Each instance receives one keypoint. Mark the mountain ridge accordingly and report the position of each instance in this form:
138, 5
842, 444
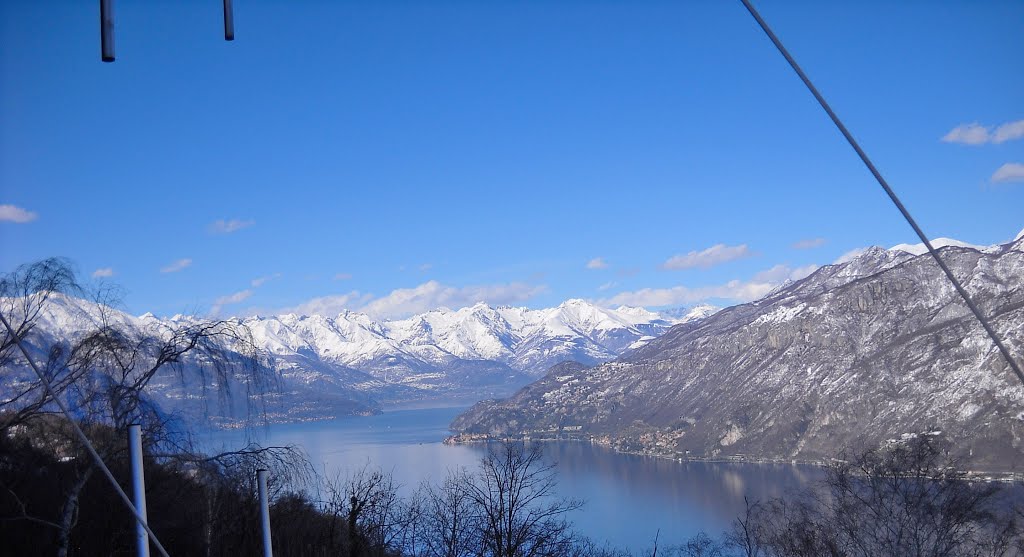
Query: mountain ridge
352, 363
857, 353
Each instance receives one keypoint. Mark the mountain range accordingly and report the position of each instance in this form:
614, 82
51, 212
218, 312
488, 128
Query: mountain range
352, 364
872, 349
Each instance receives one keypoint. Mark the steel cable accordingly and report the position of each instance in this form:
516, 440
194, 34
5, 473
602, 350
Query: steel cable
888, 190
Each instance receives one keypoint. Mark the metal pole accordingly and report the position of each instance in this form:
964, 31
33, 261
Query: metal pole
138, 488
261, 479
229, 21
81, 434
107, 30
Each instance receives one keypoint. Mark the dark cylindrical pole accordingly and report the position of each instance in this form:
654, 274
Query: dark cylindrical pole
107, 30
229, 21
261, 480
139, 487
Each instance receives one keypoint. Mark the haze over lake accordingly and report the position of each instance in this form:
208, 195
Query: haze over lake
629, 498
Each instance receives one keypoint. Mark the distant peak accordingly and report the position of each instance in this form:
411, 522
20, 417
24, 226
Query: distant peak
684, 314
920, 249
357, 317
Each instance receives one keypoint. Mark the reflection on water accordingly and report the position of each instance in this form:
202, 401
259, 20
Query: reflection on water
629, 498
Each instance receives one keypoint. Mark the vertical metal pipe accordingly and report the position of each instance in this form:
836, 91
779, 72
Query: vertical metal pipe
229, 21
107, 30
261, 479
139, 488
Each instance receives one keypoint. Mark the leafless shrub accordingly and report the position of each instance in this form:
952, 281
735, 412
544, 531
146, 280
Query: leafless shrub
907, 498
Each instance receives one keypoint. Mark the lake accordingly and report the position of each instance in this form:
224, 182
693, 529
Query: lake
629, 498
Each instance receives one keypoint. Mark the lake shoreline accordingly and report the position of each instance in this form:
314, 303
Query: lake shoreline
653, 493
478, 438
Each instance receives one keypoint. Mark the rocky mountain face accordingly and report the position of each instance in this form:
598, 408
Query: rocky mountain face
351, 363
856, 354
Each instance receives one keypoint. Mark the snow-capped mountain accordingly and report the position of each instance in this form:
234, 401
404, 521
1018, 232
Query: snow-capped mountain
860, 352
524, 341
685, 314
919, 249
307, 389
351, 361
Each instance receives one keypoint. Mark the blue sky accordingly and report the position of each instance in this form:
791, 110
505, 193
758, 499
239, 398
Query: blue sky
398, 156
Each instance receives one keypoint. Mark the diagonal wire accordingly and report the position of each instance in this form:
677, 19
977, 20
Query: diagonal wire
885, 186
84, 439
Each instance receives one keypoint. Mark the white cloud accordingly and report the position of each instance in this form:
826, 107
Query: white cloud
597, 263
241, 295
740, 291
343, 276
13, 213
425, 267
968, 134
235, 298
329, 305
607, 286
715, 255
1008, 131
976, 134
258, 282
177, 266
782, 273
228, 226
681, 295
1009, 172
849, 256
803, 272
809, 243
103, 272
432, 295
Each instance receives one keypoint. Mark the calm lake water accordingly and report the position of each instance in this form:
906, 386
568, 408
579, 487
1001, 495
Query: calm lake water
628, 498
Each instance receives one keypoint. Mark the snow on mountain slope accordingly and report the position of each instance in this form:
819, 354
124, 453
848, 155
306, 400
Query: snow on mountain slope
476, 351
920, 249
529, 341
851, 356
687, 314
308, 388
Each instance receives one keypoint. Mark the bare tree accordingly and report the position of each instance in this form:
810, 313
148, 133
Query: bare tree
450, 522
514, 496
748, 531
23, 295
103, 374
374, 516
907, 498
700, 545
25, 291
227, 475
